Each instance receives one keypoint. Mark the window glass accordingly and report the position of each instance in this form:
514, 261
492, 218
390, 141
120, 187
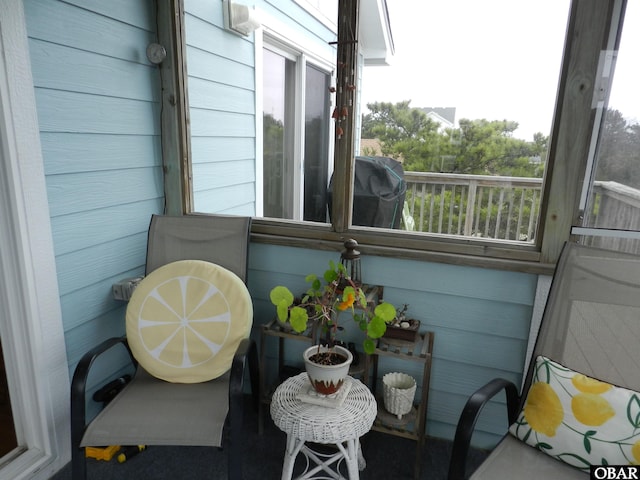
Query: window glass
278, 134
613, 197
296, 157
466, 108
316, 145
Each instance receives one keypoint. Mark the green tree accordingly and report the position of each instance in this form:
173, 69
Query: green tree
619, 150
477, 147
405, 133
488, 148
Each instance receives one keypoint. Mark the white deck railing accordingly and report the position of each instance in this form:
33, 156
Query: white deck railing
474, 205
507, 208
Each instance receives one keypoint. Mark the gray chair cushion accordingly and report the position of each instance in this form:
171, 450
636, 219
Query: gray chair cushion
168, 414
512, 459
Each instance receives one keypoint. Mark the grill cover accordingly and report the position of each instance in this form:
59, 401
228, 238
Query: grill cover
379, 191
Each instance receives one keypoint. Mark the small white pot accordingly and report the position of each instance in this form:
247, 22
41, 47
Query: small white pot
327, 379
399, 389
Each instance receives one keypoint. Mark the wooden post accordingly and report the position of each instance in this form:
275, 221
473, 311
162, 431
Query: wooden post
346, 100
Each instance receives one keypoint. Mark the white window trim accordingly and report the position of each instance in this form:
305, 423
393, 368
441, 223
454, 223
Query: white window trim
30, 318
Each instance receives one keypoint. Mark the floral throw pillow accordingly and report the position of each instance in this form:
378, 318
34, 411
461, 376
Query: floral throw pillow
578, 419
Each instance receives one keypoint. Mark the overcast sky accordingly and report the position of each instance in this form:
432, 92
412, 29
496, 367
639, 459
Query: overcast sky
493, 59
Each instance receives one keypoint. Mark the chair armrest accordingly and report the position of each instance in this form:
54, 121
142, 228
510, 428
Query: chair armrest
469, 416
79, 385
246, 351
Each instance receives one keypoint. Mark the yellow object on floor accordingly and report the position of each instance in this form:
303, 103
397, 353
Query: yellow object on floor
128, 452
102, 453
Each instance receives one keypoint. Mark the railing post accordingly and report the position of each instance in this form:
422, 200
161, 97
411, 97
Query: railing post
471, 200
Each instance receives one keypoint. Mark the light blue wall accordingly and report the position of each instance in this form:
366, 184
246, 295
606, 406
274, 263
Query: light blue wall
480, 318
97, 103
221, 85
222, 101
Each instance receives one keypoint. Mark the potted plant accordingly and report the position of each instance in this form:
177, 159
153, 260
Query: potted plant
323, 302
401, 327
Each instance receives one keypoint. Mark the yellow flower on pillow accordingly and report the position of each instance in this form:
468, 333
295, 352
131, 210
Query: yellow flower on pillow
635, 451
589, 385
591, 409
543, 410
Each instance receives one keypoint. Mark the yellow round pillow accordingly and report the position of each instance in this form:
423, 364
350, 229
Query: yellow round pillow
185, 320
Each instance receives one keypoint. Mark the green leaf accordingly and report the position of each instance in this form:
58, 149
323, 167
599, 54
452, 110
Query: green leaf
385, 311
369, 346
362, 298
330, 276
569, 457
633, 411
298, 319
349, 290
281, 294
376, 327
543, 446
282, 310
586, 442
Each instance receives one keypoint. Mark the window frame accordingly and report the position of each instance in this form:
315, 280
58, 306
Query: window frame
590, 26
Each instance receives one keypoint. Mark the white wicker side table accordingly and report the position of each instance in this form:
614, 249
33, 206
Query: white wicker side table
305, 422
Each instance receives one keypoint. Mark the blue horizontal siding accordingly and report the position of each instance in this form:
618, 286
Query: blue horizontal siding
65, 24
140, 13
102, 225
91, 265
210, 123
210, 36
299, 20
216, 96
96, 330
500, 285
207, 149
97, 99
213, 175
94, 74
474, 315
71, 112
71, 193
228, 199
205, 10
89, 152
93, 301
226, 71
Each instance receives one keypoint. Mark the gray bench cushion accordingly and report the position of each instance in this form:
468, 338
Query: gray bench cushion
512, 459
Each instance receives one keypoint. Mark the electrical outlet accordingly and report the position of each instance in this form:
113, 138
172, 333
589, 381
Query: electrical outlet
123, 289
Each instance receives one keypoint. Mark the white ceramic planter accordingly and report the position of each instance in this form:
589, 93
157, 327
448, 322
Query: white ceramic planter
327, 379
399, 390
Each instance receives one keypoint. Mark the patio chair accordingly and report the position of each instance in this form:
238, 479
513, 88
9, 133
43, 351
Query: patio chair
565, 417
189, 379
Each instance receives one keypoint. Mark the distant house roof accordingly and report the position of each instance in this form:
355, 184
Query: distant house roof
445, 116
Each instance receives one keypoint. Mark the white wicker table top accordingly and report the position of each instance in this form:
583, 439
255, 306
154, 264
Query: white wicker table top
315, 423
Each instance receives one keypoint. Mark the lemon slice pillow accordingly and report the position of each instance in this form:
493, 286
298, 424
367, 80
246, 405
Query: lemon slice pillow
578, 419
185, 320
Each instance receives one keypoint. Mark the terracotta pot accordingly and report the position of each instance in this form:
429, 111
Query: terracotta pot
327, 379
